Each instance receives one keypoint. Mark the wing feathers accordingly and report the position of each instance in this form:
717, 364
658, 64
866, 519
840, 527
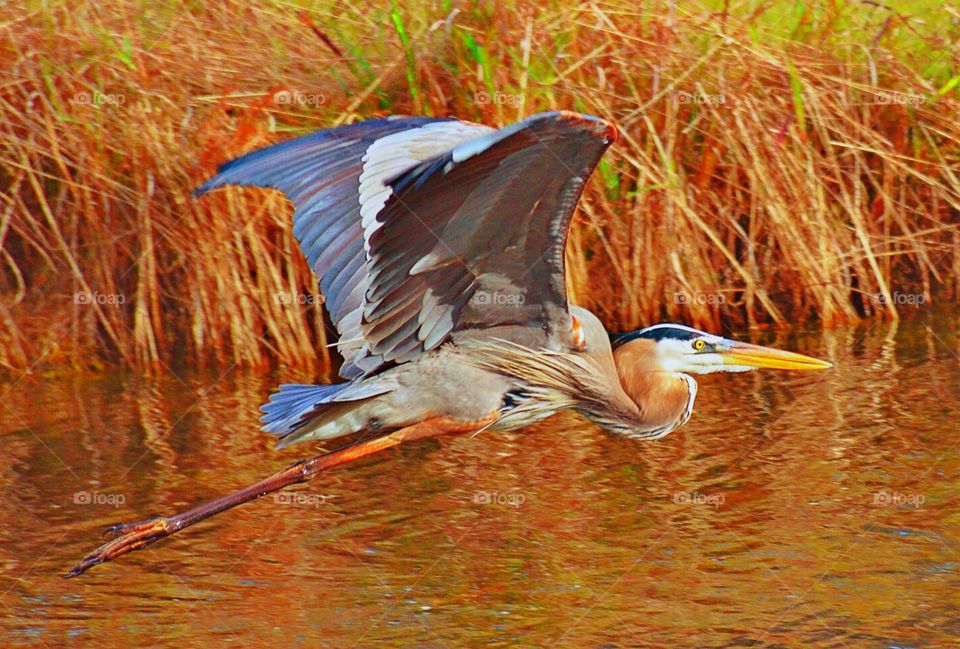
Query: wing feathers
493, 213
418, 227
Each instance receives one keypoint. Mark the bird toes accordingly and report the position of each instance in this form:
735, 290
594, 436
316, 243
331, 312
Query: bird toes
130, 537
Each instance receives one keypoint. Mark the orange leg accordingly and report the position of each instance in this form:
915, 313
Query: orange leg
135, 536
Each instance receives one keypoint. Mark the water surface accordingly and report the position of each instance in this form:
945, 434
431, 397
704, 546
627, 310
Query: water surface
792, 510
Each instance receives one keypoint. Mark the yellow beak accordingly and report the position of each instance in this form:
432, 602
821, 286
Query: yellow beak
747, 355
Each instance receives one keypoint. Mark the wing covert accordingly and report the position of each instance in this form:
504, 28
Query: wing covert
334, 178
475, 237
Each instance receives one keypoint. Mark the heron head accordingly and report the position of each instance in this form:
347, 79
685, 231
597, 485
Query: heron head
676, 348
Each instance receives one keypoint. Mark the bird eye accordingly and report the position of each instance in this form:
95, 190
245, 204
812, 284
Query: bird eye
699, 344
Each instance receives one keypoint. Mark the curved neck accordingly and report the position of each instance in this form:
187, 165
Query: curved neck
664, 399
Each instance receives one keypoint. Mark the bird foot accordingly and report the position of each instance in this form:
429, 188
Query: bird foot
128, 538
123, 528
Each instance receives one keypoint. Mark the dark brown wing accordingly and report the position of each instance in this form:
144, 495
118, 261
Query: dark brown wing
335, 178
475, 238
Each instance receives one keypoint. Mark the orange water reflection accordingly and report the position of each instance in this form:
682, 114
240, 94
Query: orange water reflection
792, 510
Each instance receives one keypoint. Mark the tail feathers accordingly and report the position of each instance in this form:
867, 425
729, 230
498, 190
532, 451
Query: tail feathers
294, 403
296, 412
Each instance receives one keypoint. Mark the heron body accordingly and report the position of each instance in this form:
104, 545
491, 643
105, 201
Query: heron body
439, 248
439, 245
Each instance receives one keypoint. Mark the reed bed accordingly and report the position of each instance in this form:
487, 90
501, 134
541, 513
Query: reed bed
778, 163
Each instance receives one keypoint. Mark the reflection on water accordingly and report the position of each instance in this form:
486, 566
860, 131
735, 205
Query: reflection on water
793, 509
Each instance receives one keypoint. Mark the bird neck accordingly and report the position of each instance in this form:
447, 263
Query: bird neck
664, 399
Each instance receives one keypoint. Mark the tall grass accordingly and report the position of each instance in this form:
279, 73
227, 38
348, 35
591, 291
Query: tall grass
778, 162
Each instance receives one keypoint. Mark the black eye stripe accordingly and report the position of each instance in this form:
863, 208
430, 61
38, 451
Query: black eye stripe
658, 333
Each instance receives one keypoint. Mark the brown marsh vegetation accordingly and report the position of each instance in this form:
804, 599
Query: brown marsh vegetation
779, 162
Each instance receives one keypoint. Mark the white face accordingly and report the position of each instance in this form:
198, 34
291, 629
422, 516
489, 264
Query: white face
699, 352
698, 356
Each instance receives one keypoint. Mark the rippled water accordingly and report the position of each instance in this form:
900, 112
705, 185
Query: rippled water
793, 510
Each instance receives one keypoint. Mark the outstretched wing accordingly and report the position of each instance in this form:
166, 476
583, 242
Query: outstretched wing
335, 179
419, 228
474, 238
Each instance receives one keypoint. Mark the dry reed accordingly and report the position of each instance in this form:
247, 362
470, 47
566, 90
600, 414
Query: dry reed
778, 163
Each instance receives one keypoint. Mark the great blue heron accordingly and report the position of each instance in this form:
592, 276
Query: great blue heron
439, 245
